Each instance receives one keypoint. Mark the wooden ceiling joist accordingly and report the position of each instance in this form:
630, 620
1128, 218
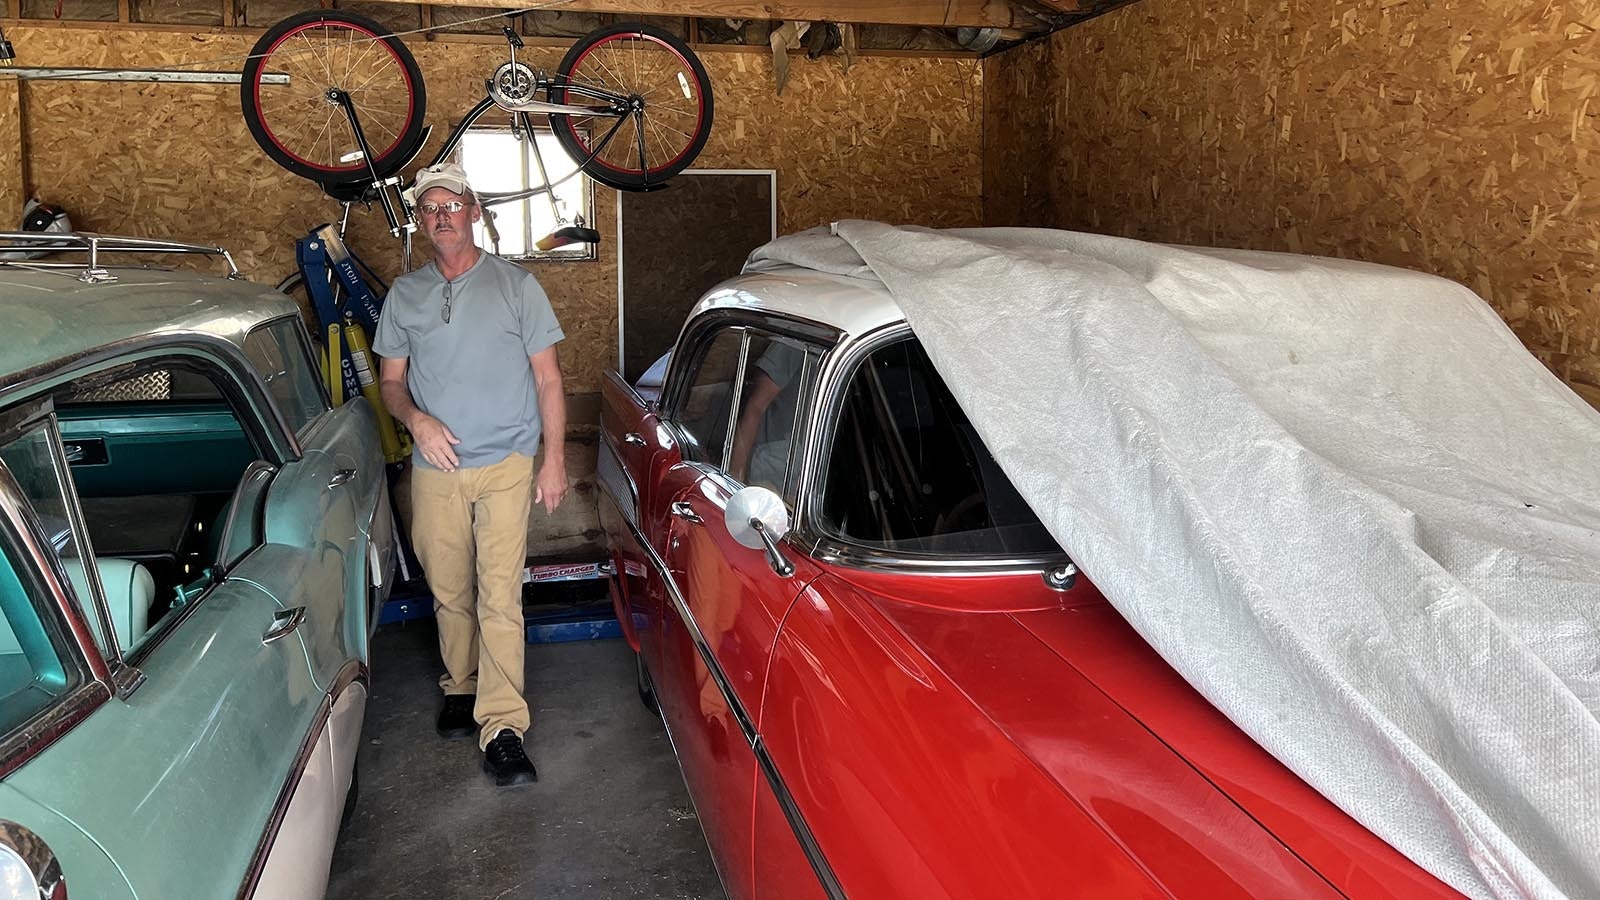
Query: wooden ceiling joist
935, 13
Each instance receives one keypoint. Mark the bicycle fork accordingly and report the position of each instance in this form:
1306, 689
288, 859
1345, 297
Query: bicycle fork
387, 188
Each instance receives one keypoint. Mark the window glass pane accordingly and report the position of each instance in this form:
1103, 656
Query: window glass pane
702, 411
763, 437
497, 160
30, 460
35, 667
279, 356
907, 471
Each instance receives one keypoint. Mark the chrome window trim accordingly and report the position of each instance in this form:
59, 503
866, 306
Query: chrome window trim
826, 546
23, 744
309, 357
91, 565
19, 510
353, 671
804, 330
94, 689
739, 373
825, 340
243, 387
769, 769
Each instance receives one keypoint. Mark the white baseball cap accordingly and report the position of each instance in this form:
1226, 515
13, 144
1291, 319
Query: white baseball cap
449, 176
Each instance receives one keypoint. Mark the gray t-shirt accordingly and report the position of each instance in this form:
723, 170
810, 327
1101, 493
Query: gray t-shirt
472, 372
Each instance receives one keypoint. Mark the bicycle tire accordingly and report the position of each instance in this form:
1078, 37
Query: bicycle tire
670, 148
309, 45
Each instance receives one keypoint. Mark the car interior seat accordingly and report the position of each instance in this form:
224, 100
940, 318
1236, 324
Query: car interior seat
129, 588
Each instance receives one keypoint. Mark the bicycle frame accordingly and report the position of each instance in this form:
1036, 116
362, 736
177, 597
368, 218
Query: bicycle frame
522, 108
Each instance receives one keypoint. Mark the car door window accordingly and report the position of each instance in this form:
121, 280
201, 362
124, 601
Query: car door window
279, 354
702, 409
774, 382
37, 668
31, 459
906, 471
156, 474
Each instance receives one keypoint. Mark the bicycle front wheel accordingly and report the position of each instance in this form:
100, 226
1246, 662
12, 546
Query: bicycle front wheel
302, 126
649, 87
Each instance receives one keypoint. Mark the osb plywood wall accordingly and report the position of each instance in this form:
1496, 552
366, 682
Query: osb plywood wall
1454, 136
897, 139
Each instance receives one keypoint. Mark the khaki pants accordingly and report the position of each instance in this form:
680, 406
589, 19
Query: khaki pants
470, 529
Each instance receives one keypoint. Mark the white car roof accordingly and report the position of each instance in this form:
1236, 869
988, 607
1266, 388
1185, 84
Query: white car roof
855, 306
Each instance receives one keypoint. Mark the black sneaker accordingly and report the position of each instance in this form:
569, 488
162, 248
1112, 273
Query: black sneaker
455, 717
506, 762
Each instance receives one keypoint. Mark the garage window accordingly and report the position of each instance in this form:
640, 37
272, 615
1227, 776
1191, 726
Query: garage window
498, 161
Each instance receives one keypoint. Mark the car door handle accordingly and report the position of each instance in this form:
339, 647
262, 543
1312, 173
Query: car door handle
684, 511
342, 476
284, 622
634, 438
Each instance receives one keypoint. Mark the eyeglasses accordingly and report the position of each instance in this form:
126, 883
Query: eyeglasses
444, 311
452, 207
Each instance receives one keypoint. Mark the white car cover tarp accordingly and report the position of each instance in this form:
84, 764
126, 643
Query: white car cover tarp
1341, 499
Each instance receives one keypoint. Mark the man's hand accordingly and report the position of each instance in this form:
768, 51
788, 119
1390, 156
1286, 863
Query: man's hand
434, 441
551, 486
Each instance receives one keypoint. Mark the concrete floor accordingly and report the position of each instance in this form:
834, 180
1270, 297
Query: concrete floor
608, 818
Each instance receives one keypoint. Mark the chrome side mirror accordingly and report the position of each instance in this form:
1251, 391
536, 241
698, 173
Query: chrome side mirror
26, 863
757, 519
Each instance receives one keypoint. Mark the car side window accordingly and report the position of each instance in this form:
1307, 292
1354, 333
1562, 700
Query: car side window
906, 471
36, 667
30, 459
702, 411
279, 354
157, 484
769, 402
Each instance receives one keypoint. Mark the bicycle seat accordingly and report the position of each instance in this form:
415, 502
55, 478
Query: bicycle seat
571, 234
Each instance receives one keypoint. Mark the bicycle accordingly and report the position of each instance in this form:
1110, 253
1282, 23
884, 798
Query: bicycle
350, 85
646, 80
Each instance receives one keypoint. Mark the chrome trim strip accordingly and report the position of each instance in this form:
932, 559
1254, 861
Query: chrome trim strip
672, 742
740, 372
86, 557
17, 512
352, 672
769, 768
46, 728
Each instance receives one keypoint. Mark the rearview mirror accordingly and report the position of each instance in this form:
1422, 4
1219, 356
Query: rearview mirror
757, 518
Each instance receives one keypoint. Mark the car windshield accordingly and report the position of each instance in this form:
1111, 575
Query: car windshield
907, 471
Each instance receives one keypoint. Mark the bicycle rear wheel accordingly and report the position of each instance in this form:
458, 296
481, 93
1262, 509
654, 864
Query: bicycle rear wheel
306, 131
662, 91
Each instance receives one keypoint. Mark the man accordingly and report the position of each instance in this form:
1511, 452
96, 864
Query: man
469, 365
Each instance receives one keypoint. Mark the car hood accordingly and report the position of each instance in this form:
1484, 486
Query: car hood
1170, 781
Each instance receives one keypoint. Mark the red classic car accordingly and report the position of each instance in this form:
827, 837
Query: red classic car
881, 676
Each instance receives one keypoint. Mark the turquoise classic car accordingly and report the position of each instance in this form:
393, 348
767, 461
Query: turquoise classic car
193, 546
